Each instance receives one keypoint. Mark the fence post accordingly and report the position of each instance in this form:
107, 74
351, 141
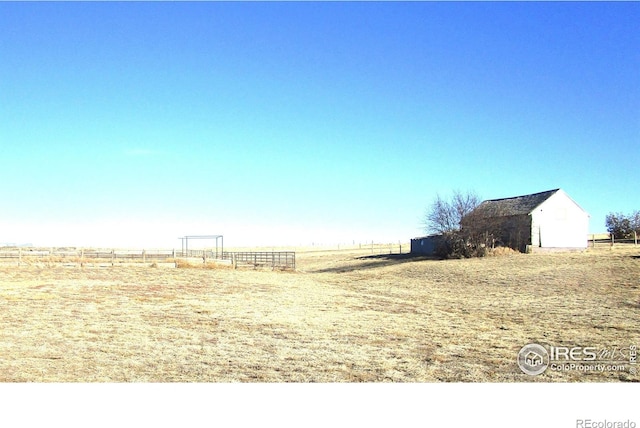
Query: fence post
19, 256
612, 241
234, 261
204, 256
113, 257
635, 238
144, 256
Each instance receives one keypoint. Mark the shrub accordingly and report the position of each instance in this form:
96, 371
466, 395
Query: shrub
622, 226
460, 244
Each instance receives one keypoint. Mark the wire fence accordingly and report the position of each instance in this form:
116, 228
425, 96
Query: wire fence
273, 259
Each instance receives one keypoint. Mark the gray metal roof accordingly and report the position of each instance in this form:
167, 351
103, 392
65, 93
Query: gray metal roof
518, 205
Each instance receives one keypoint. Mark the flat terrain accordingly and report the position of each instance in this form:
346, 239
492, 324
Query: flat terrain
343, 316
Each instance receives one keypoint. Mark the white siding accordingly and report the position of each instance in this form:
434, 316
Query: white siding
559, 223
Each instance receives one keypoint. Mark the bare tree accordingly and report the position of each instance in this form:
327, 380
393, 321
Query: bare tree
444, 216
465, 231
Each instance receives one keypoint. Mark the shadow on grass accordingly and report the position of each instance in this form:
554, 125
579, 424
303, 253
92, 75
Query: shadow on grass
376, 261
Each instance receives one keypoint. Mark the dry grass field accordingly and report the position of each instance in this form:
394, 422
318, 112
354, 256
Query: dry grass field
342, 316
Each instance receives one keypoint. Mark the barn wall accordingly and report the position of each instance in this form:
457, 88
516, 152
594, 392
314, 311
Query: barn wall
516, 232
559, 223
508, 231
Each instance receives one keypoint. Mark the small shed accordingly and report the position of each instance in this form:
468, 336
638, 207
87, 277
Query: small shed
425, 245
544, 220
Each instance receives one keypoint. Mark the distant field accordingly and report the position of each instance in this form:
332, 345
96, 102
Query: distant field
353, 315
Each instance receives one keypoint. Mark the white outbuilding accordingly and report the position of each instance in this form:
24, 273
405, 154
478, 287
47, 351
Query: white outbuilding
546, 220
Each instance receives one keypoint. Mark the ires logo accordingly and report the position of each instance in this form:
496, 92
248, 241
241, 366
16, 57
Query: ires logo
577, 353
534, 359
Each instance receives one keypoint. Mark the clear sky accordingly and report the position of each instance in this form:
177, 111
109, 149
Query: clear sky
130, 124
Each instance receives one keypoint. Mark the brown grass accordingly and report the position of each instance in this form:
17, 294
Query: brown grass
340, 318
501, 251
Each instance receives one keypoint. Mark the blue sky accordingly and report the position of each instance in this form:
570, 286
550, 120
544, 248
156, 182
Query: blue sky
130, 124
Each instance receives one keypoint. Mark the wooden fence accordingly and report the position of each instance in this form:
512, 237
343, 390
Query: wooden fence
273, 259
606, 239
80, 255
